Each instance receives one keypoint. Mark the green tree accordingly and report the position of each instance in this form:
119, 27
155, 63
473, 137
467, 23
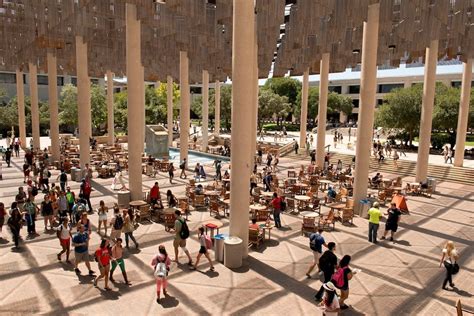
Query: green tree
68, 107
336, 103
98, 108
225, 106
120, 111
271, 105
285, 86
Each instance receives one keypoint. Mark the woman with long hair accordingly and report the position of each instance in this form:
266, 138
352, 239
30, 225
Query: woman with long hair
102, 256
203, 249
161, 265
448, 258
347, 274
128, 227
64, 236
102, 211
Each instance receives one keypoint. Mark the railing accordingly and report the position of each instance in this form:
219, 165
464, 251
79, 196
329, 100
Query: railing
327, 147
285, 149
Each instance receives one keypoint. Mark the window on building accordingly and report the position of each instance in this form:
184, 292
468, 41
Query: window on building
337, 89
354, 89
74, 81
42, 80
379, 102
458, 84
355, 103
94, 81
116, 90
7, 78
386, 88
196, 90
60, 81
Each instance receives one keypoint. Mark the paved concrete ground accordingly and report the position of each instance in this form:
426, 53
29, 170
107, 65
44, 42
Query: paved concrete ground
397, 278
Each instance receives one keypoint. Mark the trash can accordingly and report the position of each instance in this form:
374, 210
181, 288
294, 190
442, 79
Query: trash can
233, 252
123, 198
219, 247
432, 183
363, 207
76, 173
73, 173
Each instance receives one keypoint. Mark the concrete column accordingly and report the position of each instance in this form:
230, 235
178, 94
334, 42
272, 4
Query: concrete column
242, 51
143, 116
83, 101
110, 108
463, 115
322, 110
205, 110
304, 109
35, 128
368, 87
135, 101
169, 103
53, 106
185, 103
20, 99
429, 84
217, 108
254, 120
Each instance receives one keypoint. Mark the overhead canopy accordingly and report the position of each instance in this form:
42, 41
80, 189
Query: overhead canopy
292, 34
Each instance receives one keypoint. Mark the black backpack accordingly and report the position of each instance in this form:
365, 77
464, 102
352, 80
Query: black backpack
63, 177
184, 233
34, 191
182, 165
282, 205
118, 222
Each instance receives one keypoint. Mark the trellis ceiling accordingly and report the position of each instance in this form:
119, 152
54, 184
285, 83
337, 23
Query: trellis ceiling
31, 28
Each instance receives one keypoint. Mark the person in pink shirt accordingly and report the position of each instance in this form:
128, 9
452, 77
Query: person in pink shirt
161, 265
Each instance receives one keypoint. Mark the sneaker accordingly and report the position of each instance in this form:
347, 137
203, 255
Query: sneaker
77, 271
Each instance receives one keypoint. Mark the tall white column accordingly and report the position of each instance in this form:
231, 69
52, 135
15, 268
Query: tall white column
35, 128
242, 51
205, 110
169, 108
110, 108
217, 108
254, 104
53, 106
463, 115
135, 102
20, 99
184, 114
143, 116
322, 110
368, 88
83, 101
304, 109
429, 85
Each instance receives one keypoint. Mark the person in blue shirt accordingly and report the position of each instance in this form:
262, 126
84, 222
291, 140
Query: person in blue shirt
80, 241
316, 243
331, 195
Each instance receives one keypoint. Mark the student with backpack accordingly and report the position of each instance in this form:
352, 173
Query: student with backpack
182, 233
327, 264
116, 223
62, 180
182, 166
86, 190
316, 243
206, 243
161, 266
341, 279
64, 235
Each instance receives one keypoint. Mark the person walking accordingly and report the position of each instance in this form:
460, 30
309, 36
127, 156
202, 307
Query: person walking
80, 241
64, 236
62, 180
277, 203
14, 223
327, 264
316, 241
205, 243
448, 258
128, 227
71, 199
394, 215
3, 214
62, 205
171, 170
30, 210
47, 212
85, 191
116, 223
182, 166
8, 157
341, 279
102, 256
161, 266
117, 260
374, 220
395, 158
218, 166
102, 211
296, 147
182, 233
330, 303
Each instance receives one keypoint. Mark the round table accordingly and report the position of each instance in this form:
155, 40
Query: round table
303, 200
137, 203
309, 214
266, 194
257, 207
324, 184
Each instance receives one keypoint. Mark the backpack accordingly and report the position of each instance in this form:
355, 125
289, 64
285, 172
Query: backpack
160, 270
182, 165
118, 224
63, 177
184, 233
87, 188
208, 242
34, 191
49, 174
282, 205
314, 242
338, 277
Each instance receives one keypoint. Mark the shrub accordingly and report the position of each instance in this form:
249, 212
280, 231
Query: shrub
438, 140
274, 127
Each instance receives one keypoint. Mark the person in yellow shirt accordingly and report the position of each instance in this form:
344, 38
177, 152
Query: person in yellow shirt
374, 220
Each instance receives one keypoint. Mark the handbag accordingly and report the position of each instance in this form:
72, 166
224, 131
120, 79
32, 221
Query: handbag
455, 268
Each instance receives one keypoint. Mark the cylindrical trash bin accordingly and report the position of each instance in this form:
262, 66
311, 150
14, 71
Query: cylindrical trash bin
123, 198
364, 206
432, 184
73, 173
77, 174
233, 252
219, 247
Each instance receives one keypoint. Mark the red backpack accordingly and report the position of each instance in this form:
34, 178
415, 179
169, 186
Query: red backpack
338, 278
208, 242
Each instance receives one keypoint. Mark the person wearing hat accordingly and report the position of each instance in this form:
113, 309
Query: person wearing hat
330, 303
374, 220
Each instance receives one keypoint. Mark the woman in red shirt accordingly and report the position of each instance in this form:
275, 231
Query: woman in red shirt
102, 256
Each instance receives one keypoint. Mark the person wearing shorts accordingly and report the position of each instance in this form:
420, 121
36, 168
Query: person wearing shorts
316, 243
81, 250
394, 215
117, 260
203, 249
178, 242
102, 256
64, 235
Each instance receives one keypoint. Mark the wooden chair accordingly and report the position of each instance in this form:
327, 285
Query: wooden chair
184, 207
327, 221
290, 205
347, 215
291, 174
199, 201
168, 220
382, 197
145, 213
214, 209
262, 216
308, 225
316, 204
255, 237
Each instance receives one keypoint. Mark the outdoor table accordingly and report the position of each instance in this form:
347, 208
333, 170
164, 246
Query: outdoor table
399, 189
324, 184
264, 228
266, 195
309, 214
137, 203
257, 207
337, 206
212, 224
302, 200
